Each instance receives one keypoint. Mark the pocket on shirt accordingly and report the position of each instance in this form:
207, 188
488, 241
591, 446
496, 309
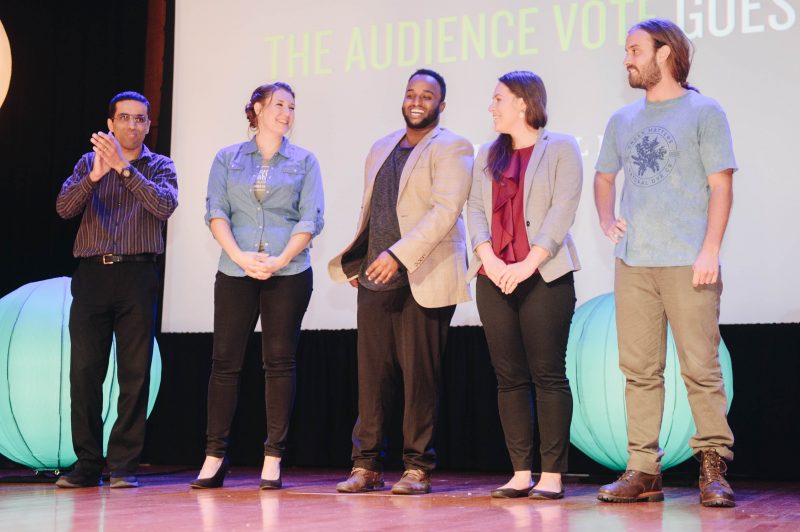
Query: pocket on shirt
292, 178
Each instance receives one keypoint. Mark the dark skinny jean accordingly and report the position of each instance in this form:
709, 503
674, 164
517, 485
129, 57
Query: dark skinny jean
281, 301
527, 333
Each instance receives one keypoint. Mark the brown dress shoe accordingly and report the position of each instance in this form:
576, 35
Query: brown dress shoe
714, 489
361, 480
413, 482
633, 486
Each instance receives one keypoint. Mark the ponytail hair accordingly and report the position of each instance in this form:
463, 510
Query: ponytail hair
263, 94
666, 33
530, 87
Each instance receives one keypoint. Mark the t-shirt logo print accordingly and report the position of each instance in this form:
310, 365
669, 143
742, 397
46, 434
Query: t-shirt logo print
650, 156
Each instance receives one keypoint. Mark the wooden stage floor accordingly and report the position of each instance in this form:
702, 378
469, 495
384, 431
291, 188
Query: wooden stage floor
309, 501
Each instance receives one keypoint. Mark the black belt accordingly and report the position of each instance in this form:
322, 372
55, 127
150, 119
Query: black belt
111, 258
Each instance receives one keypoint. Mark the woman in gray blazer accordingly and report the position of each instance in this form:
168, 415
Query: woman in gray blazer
525, 191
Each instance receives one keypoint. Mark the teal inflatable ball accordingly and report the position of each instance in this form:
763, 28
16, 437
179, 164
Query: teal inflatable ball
599, 425
34, 377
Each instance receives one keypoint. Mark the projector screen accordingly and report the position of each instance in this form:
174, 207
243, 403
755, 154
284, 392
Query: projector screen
348, 62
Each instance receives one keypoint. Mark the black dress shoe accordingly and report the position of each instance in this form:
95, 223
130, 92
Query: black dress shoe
271, 484
212, 482
509, 493
546, 495
78, 479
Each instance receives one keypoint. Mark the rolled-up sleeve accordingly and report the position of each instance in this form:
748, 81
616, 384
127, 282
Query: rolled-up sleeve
217, 202
567, 186
312, 200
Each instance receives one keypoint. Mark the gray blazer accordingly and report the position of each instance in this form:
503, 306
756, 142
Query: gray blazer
552, 189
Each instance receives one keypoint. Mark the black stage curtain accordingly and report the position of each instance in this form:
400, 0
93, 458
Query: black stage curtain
69, 59
469, 437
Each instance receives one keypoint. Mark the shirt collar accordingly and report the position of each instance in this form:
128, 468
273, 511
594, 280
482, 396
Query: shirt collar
146, 153
251, 147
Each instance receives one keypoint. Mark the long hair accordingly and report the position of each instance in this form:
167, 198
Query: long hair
263, 94
530, 87
666, 33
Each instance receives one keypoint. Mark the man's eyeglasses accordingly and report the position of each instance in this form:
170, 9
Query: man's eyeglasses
125, 117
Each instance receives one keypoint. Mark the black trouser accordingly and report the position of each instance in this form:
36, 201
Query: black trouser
527, 333
399, 344
111, 300
281, 301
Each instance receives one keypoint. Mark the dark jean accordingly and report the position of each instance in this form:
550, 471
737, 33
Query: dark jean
281, 301
400, 346
117, 299
527, 333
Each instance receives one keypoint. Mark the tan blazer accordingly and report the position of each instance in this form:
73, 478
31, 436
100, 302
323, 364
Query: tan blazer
433, 188
552, 188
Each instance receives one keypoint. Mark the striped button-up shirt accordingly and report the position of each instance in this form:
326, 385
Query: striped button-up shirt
121, 216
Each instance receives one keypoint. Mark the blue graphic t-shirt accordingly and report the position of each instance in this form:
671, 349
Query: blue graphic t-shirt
667, 149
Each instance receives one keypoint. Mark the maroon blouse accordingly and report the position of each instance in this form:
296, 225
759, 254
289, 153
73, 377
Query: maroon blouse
509, 236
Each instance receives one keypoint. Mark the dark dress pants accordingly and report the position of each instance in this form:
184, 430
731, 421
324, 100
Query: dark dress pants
400, 345
117, 299
527, 333
281, 301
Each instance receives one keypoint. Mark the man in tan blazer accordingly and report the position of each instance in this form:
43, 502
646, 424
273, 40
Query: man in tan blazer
408, 260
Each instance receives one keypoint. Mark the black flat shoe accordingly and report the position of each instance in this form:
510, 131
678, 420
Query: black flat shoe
509, 493
543, 495
271, 484
212, 482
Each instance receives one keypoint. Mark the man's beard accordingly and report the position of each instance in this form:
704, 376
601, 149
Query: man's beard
432, 118
645, 79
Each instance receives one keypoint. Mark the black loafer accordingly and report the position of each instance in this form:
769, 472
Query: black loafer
546, 495
509, 493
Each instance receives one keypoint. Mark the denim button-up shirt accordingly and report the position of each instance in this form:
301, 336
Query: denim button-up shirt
293, 202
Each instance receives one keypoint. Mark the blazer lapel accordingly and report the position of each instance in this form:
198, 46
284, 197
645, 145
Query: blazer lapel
413, 158
486, 188
533, 164
376, 159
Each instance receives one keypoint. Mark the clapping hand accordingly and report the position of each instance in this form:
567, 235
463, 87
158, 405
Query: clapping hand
99, 168
107, 148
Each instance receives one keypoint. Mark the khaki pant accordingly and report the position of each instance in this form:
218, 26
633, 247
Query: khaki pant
646, 299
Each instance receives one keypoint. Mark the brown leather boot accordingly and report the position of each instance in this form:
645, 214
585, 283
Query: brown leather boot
714, 489
413, 482
361, 480
633, 486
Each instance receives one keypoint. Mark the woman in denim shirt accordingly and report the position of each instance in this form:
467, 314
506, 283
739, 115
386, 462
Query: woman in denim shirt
264, 206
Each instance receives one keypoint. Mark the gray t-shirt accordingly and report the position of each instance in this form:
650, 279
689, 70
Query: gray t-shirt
667, 149
384, 229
